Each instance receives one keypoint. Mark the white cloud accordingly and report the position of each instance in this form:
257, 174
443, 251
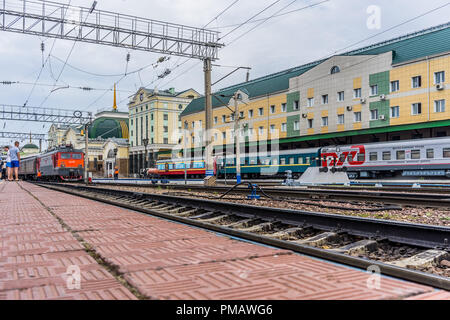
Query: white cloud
280, 43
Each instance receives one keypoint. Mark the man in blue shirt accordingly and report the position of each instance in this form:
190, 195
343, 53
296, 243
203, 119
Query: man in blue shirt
14, 153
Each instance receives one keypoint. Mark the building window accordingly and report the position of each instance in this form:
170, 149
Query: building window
284, 127
296, 105
241, 115
335, 70
395, 86
416, 82
186, 125
151, 116
193, 124
296, 125
439, 77
374, 90
395, 112
310, 102
374, 114
152, 129
224, 135
166, 140
232, 117
357, 116
325, 99
284, 107
261, 111
310, 123
416, 109
261, 131
272, 128
250, 114
166, 129
224, 119
216, 120
341, 96
324, 121
439, 106
132, 134
357, 93
341, 119
272, 109
200, 122
166, 117
131, 121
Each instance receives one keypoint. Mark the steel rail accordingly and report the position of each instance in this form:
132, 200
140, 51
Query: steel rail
377, 196
411, 234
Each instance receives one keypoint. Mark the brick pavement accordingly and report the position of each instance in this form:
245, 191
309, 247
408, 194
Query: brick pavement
41, 238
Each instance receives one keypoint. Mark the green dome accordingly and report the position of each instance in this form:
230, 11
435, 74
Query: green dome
30, 146
105, 128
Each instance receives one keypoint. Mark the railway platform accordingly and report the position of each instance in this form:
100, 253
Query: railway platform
59, 246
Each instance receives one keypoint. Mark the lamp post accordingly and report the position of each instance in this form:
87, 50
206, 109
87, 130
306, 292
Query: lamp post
145, 142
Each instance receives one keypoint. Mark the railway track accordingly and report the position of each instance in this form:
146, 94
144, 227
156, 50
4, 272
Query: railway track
408, 197
400, 250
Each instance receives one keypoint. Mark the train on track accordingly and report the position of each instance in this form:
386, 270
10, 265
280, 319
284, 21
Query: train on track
411, 158
59, 164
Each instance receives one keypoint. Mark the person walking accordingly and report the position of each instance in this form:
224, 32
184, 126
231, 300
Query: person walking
14, 153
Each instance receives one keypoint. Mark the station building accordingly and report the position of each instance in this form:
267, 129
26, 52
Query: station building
393, 90
154, 117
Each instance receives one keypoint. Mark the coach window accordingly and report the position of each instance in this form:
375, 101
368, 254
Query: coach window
300, 160
415, 154
386, 155
274, 161
401, 155
283, 161
361, 157
291, 160
308, 160
446, 152
373, 156
430, 153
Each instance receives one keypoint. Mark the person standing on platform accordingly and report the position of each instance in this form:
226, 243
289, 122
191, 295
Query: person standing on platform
116, 173
14, 153
8, 164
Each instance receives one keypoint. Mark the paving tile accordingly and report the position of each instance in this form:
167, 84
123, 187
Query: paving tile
163, 260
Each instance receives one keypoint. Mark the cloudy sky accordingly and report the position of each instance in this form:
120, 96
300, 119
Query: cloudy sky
282, 42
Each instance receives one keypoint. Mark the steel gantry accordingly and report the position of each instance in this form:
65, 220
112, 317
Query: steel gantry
58, 116
57, 20
21, 135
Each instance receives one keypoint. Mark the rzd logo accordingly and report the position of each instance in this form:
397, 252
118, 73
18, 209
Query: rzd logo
338, 161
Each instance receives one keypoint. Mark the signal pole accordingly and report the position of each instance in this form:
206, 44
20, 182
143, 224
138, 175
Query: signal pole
237, 138
209, 122
86, 154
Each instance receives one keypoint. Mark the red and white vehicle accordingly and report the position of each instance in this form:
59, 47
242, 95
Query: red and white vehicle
414, 158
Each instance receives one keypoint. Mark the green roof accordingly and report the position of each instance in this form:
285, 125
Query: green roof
408, 47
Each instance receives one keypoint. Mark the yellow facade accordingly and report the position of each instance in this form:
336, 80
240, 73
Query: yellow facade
404, 98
